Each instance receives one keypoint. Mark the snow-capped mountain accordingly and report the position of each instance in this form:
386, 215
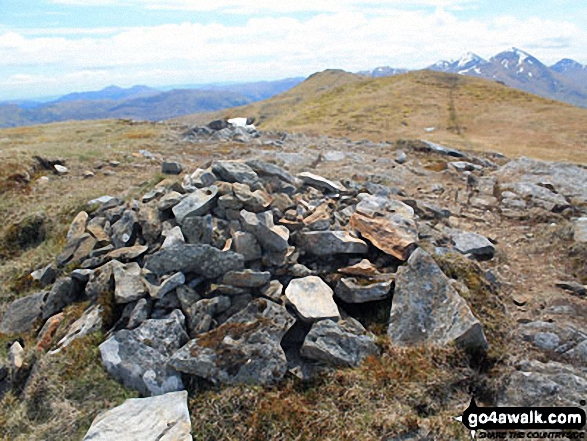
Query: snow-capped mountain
382, 71
468, 64
564, 81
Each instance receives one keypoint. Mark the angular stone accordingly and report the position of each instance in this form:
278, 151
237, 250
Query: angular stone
123, 230
171, 168
127, 253
198, 203
139, 358
22, 313
167, 285
47, 332
273, 290
162, 418
170, 200
427, 210
45, 276
312, 299
78, 226
267, 169
152, 195
363, 268
272, 237
101, 280
245, 349
282, 202
139, 314
464, 166
201, 178
231, 171
336, 344
150, 221
63, 293
90, 321
246, 244
247, 278
427, 309
173, 237
129, 285
96, 228
350, 290
320, 183
86, 243
200, 259
201, 313
16, 356
388, 224
187, 297
254, 201
198, 229
326, 243
474, 244
537, 195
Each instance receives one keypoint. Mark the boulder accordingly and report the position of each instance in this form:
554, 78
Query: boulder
340, 344
139, 358
232, 171
171, 168
388, 224
200, 259
427, 309
474, 244
198, 203
326, 243
163, 418
245, 349
273, 238
312, 299
22, 313
352, 290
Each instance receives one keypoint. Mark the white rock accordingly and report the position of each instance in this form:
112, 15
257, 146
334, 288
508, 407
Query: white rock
312, 299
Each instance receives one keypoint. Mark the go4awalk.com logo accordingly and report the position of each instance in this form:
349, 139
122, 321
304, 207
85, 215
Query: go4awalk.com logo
524, 422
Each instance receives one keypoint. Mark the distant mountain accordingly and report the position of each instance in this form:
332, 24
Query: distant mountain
383, 71
139, 102
573, 71
110, 93
520, 70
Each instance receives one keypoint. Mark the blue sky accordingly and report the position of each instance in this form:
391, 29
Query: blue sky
52, 47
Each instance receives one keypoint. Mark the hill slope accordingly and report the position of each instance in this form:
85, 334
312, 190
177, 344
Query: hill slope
464, 111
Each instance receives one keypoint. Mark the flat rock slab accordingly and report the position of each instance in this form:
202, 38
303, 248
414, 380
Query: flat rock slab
312, 299
320, 183
388, 224
139, 358
162, 418
22, 313
247, 278
426, 309
352, 290
325, 243
197, 203
336, 344
267, 169
231, 171
474, 244
197, 258
245, 349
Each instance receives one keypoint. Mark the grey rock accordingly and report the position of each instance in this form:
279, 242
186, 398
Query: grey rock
551, 384
152, 195
187, 297
326, 243
162, 418
139, 358
171, 168
246, 244
167, 285
331, 343
63, 293
437, 148
400, 157
312, 299
267, 169
81, 275
579, 353
123, 229
173, 237
254, 201
129, 285
464, 166
201, 314
580, 230
198, 203
475, 244
427, 210
231, 171
350, 291
200, 259
22, 313
127, 253
299, 270
139, 314
427, 309
150, 221
536, 195
198, 229
45, 276
89, 322
573, 287
245, 349
169, 201
247, 278
101, 280
320, 183
273, 238
200, 178
547, 341
273, 290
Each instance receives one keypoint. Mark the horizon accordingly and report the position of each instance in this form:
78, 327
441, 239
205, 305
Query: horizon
50, 48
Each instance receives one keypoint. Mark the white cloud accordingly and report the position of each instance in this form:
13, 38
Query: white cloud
267, 48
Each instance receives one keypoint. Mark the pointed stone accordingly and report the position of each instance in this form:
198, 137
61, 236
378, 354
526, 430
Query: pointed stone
326, 243
198, 203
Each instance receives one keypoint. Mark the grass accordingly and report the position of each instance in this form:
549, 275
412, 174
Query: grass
466, 112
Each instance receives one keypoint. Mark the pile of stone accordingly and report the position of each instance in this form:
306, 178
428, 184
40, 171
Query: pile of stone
235, 129
244, 272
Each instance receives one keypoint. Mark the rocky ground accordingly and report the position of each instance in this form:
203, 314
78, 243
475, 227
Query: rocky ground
307, 272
